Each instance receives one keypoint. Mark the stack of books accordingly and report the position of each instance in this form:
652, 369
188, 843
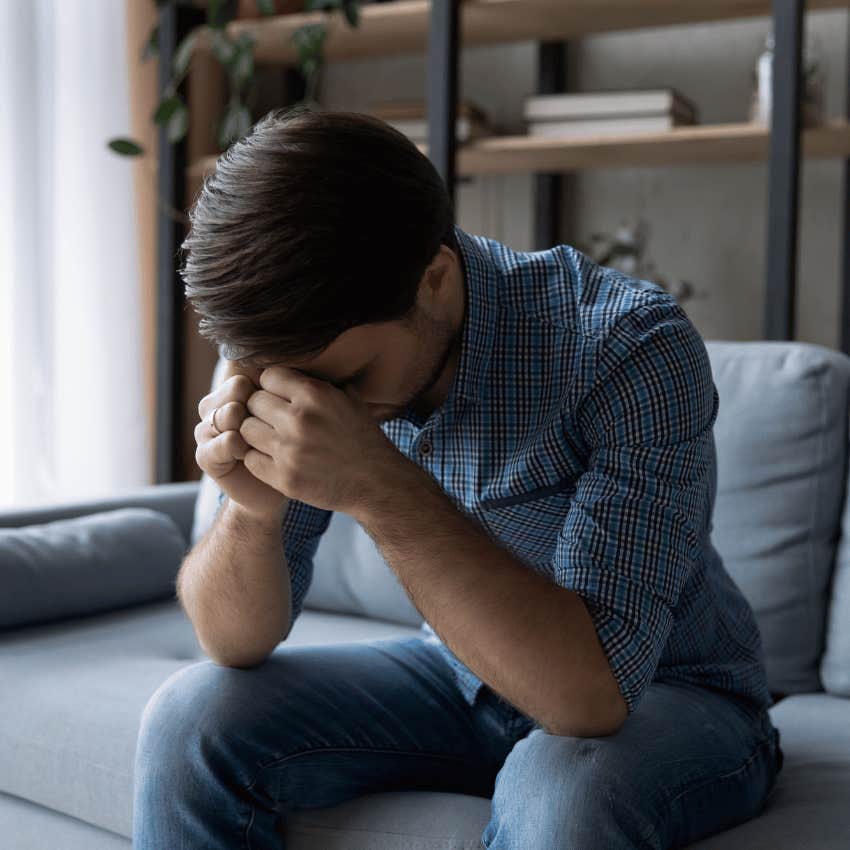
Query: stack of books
409, 117
607, 112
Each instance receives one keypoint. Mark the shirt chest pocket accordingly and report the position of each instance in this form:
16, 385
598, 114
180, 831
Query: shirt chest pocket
527, 524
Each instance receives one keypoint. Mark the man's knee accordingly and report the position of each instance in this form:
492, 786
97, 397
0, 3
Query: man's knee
193, 704
558, 791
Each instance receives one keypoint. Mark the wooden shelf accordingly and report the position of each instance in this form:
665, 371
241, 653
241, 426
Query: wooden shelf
402, 26
683, 145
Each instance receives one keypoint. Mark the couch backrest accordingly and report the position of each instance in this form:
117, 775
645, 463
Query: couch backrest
781, 436
782, 476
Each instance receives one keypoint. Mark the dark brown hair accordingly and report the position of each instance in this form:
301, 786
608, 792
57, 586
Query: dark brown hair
311, 224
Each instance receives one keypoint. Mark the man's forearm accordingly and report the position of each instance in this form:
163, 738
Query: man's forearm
530, 640
234, 587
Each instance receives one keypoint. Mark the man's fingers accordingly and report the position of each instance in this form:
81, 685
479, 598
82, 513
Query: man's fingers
228, 416
236, 388
268, 407
290, 384
221, 451
259, 435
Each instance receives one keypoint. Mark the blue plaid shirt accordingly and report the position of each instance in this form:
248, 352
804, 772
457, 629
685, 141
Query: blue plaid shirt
578, 433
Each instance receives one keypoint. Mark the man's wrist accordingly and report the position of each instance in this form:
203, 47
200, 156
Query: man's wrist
269, 522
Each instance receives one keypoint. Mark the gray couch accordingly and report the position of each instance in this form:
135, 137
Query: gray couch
88, 638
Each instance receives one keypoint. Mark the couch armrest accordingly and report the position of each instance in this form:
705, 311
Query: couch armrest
177, 499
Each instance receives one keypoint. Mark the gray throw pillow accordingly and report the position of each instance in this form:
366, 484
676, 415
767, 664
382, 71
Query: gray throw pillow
98, 562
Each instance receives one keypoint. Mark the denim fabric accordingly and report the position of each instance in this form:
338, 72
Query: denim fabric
223, 753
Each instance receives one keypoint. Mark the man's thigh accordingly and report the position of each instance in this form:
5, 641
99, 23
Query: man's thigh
372, 716
688, 763
315, 725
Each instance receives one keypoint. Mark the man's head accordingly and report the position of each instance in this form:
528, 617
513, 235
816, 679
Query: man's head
325, 241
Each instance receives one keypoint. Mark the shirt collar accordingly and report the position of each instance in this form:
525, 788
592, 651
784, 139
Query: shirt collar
479, 321
477, 333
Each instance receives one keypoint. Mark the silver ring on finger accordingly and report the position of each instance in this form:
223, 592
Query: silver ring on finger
214, 427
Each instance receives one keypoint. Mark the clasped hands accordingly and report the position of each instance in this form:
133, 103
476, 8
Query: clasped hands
318, 444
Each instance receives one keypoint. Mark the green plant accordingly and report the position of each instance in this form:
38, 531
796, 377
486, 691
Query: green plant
236, 55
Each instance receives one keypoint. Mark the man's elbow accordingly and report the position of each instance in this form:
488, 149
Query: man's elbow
599, 718
242, 658
239, 662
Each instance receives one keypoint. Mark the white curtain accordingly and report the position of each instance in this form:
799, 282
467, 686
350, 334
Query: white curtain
72, 419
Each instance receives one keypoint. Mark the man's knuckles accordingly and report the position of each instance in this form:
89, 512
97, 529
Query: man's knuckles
237, 388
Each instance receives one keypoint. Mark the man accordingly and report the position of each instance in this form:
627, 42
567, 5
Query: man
527, 437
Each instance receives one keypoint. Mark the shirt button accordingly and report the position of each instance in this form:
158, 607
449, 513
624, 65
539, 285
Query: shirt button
425, 447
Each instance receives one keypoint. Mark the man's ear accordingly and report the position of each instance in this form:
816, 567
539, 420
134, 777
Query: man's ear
438, 273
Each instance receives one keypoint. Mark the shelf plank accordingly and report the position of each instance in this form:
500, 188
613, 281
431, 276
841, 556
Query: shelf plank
708, 143
680, 146
402, 26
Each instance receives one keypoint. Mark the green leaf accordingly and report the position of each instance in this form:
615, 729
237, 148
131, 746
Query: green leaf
166, 108
352, 11
223, 48
243, 65
266, 7
235, 123
151, 46
309, 39
322, 5
125, 146
245, 39
183, 53
178, 124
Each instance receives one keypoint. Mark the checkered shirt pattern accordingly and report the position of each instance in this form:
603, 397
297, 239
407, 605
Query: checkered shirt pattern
578, 433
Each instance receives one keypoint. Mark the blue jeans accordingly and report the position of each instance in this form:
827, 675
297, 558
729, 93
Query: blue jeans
223, 752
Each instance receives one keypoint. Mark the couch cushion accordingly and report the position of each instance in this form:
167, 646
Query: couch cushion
351, 576
835, 664
781, 438
81, 565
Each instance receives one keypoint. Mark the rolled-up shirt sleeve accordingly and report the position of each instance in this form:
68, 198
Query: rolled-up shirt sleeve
641, 510
301, 530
